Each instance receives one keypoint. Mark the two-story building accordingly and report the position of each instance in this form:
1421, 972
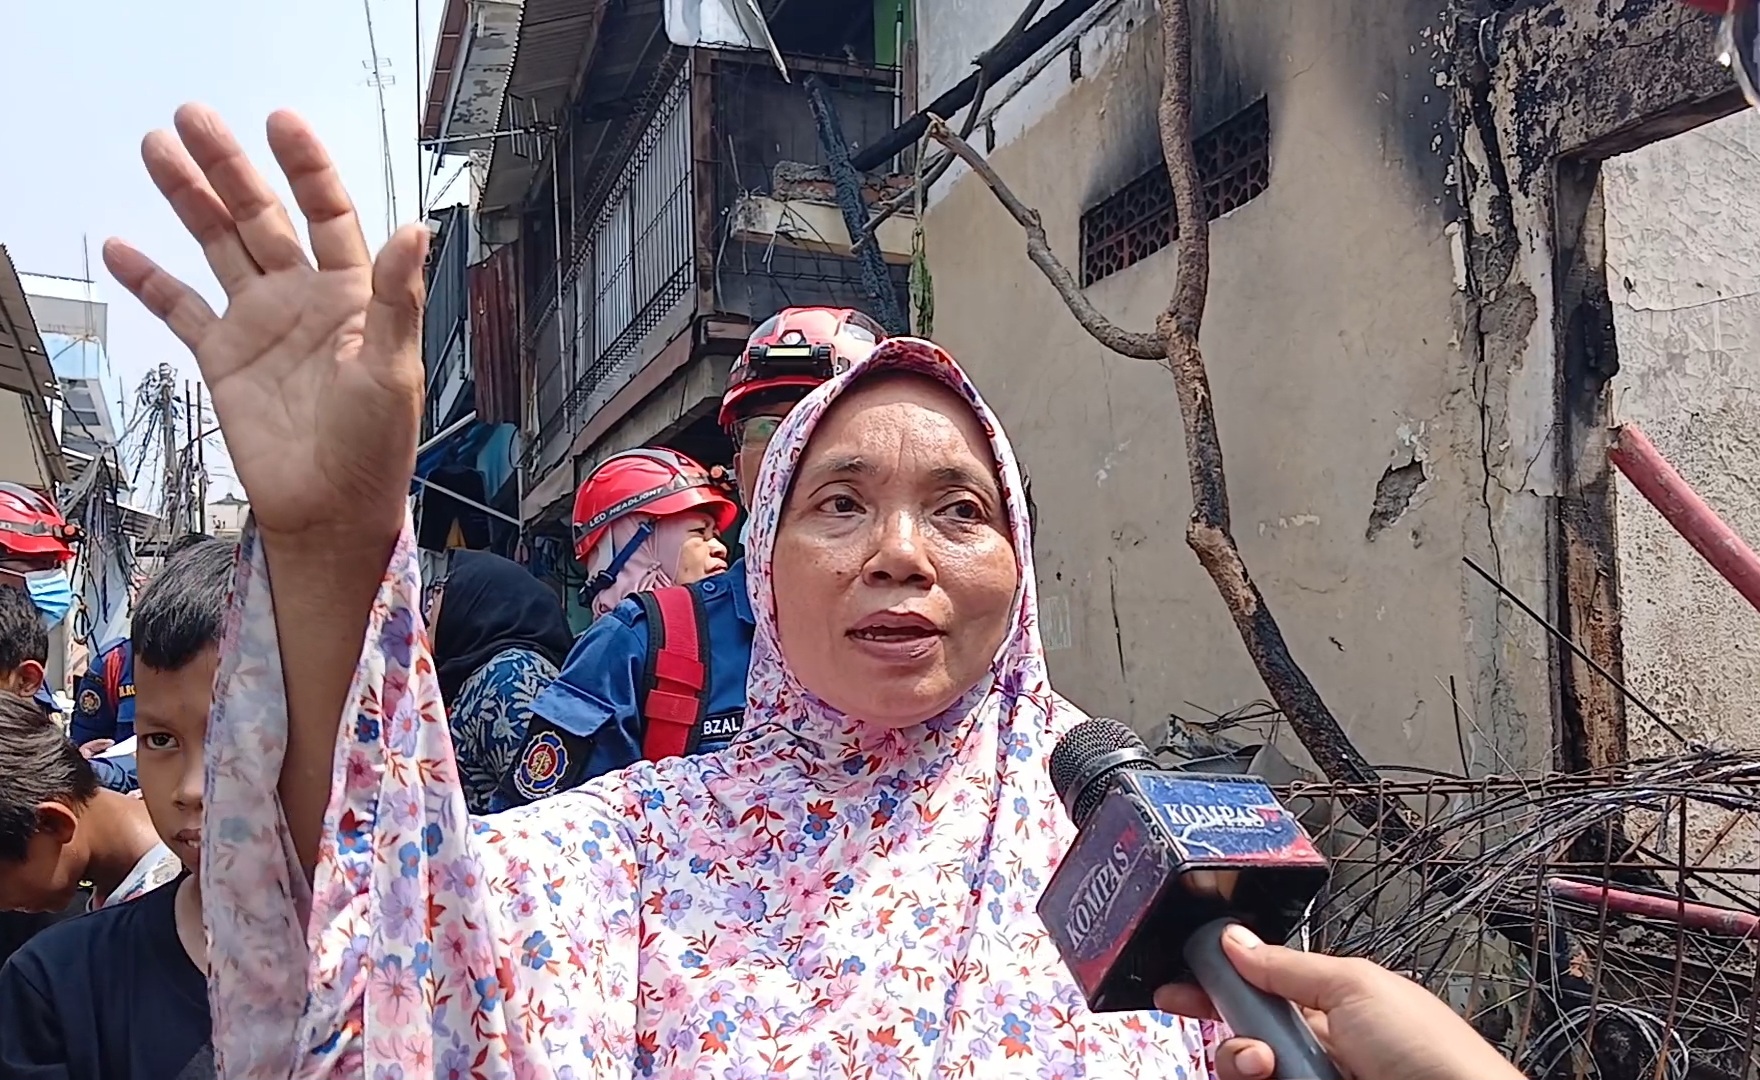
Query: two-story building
643, 198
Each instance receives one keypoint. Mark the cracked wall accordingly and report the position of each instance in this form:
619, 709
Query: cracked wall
1681, 222
1347, 368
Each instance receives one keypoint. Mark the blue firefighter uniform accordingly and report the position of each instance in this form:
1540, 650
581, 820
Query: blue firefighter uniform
103, 698
103, 708
590, 721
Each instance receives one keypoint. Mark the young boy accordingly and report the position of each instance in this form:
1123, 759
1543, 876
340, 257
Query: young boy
123, 992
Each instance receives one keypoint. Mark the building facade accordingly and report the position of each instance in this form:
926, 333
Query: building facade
30, 452
641, 203
1409, 339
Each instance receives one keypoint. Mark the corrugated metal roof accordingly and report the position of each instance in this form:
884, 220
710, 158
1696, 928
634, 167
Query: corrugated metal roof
453, 27
555, 39
472, 65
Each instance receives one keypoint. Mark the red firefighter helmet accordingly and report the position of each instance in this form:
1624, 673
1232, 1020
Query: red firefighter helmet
31, 528
651, 480
795, 350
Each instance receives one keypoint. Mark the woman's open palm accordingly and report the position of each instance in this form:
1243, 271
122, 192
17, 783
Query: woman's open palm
316, 366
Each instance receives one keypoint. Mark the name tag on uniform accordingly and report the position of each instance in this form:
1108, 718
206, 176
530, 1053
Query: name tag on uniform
724, 727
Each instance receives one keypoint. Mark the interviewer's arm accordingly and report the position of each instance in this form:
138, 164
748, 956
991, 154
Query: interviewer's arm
1375, 1025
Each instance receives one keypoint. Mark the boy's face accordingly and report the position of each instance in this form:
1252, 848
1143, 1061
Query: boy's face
170, 722
54, 862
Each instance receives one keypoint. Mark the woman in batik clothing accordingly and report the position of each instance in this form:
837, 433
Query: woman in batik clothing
499, 636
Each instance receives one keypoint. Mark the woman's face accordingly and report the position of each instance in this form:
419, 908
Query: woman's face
702, 554
894, 574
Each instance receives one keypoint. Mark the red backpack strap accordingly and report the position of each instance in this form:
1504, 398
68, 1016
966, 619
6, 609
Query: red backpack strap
672, 709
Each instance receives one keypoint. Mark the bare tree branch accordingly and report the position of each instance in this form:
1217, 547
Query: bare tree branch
1175, 344
1209, 534
1105, 331
938, 168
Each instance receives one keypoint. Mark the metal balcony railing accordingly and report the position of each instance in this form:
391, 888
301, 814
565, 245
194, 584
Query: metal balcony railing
448, 290
641, 255
446, 322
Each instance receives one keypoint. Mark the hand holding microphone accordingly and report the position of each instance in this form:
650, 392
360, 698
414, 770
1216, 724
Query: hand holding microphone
1165, 863
1374, 1024
1175, 878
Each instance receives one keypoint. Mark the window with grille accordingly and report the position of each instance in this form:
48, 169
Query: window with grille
1234, 163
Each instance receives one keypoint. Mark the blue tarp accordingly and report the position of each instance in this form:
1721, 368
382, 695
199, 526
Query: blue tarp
482, 448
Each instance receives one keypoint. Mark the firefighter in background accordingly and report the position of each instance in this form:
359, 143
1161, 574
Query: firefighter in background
647, 519
36, 545
663, 673
647, 529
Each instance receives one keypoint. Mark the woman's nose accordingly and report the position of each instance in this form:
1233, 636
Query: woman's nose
717, 547
899, 557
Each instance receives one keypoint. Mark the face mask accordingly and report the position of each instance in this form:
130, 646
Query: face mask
745, 531
52, 592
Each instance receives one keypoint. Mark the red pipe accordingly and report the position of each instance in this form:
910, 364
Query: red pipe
1638, 459
1723, 921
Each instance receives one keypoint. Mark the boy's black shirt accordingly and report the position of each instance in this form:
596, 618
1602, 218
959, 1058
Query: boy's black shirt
107, 996
18, 927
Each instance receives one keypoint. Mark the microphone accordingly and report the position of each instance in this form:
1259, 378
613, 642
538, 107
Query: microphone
1163, 862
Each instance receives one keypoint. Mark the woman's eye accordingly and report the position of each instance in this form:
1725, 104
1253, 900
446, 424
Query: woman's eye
842, 504
966, 510
158, 741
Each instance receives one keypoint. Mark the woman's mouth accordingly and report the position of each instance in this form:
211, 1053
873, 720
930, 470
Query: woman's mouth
895, 637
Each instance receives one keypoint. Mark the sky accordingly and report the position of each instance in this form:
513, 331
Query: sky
85, 81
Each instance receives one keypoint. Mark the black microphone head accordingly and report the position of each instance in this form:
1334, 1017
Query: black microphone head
1087, 757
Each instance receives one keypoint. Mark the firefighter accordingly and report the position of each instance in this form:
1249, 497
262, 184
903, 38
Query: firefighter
628, 693
36, 544
647, 528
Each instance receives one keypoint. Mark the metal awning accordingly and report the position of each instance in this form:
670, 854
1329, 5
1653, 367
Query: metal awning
556, 37
24, 366
473, 61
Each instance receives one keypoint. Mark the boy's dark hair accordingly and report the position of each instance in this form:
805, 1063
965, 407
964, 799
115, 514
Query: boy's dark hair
22, 634
180, 611
37, 765
185, 542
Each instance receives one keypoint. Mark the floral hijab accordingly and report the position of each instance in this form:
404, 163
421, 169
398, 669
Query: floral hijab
822, 899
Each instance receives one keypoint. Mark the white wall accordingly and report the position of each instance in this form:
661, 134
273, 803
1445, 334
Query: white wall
1683, 226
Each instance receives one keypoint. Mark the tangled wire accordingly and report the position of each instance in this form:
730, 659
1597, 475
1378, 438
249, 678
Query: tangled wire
1593, 925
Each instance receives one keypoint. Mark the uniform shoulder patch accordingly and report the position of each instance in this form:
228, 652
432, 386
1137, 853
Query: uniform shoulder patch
89, 702
542, 767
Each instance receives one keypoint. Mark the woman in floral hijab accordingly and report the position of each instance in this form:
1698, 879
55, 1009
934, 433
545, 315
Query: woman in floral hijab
846, 892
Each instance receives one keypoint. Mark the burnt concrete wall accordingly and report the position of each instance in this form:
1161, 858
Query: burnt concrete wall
1410, 340
1337, 339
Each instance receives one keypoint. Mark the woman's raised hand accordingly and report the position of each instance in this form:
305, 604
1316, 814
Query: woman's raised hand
316, 371
316, 366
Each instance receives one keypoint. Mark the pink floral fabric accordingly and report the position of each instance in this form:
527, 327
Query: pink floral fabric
822, 900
